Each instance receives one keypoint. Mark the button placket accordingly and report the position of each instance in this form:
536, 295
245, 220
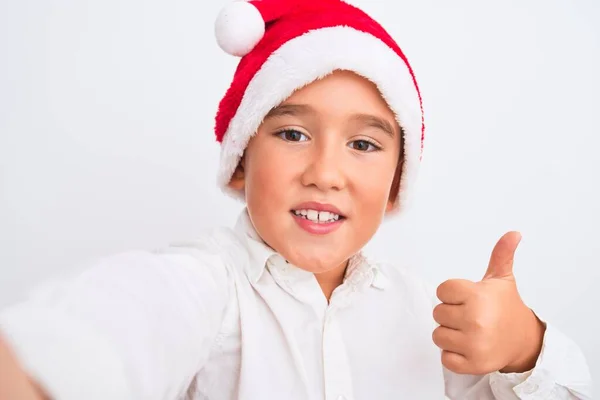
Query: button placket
337, 375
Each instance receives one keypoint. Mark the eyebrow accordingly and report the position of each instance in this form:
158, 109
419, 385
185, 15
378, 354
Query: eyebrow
375, 122
290, 109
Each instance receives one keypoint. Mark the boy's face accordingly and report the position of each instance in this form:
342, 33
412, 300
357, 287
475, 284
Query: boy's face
334, 145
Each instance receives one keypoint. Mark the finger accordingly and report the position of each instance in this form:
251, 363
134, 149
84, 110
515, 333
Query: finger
448, 339
455, 362
503, 255
455, 291
449, 315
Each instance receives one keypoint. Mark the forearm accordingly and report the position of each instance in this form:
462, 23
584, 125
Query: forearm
14, 382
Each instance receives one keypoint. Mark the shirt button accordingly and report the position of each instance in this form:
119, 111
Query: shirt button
532, 388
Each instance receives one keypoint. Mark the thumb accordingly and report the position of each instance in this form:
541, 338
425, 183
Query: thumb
501, 260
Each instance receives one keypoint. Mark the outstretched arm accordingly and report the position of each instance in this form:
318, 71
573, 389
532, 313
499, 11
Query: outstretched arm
136, 325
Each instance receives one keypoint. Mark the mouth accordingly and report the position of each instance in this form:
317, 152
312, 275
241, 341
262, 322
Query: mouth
317, 218
318, 212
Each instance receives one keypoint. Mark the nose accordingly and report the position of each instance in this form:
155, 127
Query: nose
324, 169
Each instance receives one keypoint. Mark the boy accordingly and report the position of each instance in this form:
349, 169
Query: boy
321, 135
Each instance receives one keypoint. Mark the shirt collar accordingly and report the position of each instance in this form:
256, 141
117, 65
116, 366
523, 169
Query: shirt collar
258, 250
260, 253
362, 271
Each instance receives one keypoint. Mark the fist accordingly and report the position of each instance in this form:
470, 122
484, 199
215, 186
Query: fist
485, 326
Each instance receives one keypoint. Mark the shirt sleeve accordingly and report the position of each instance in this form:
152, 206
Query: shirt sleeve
561, 373
138, 325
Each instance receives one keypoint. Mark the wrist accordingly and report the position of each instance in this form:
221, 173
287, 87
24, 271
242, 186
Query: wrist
528, 357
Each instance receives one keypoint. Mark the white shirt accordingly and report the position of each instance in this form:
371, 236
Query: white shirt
226, 317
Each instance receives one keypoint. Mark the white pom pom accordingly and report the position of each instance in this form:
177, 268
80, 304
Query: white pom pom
238, 28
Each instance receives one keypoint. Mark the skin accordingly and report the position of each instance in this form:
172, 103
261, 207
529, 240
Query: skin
341, 145
485, 326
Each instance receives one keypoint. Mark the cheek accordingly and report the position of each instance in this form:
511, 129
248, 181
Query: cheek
268, 175
374, 180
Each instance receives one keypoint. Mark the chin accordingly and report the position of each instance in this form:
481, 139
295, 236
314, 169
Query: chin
315, 262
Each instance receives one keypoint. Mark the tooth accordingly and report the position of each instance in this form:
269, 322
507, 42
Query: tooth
312, 215
303, 212
324, 216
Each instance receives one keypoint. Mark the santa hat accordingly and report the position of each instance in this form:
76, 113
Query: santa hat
287, 44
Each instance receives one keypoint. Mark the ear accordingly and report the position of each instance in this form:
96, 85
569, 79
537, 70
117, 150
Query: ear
238, 179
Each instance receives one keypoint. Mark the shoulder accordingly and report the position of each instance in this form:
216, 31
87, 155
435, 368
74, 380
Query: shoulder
221, 248
211, 257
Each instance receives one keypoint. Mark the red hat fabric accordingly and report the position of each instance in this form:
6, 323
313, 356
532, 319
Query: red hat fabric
287, 44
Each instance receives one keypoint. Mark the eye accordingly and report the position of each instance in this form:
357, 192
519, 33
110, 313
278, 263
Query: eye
292, 135
364, 146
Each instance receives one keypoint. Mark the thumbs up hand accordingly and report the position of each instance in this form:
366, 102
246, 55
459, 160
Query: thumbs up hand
485, 326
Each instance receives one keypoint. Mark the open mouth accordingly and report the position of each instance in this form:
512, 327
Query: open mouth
319, 217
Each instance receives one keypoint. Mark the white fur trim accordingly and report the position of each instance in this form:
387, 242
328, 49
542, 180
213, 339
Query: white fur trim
238, 28
314, 55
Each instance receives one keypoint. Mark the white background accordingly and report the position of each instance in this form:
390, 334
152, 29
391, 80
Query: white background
106, 142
